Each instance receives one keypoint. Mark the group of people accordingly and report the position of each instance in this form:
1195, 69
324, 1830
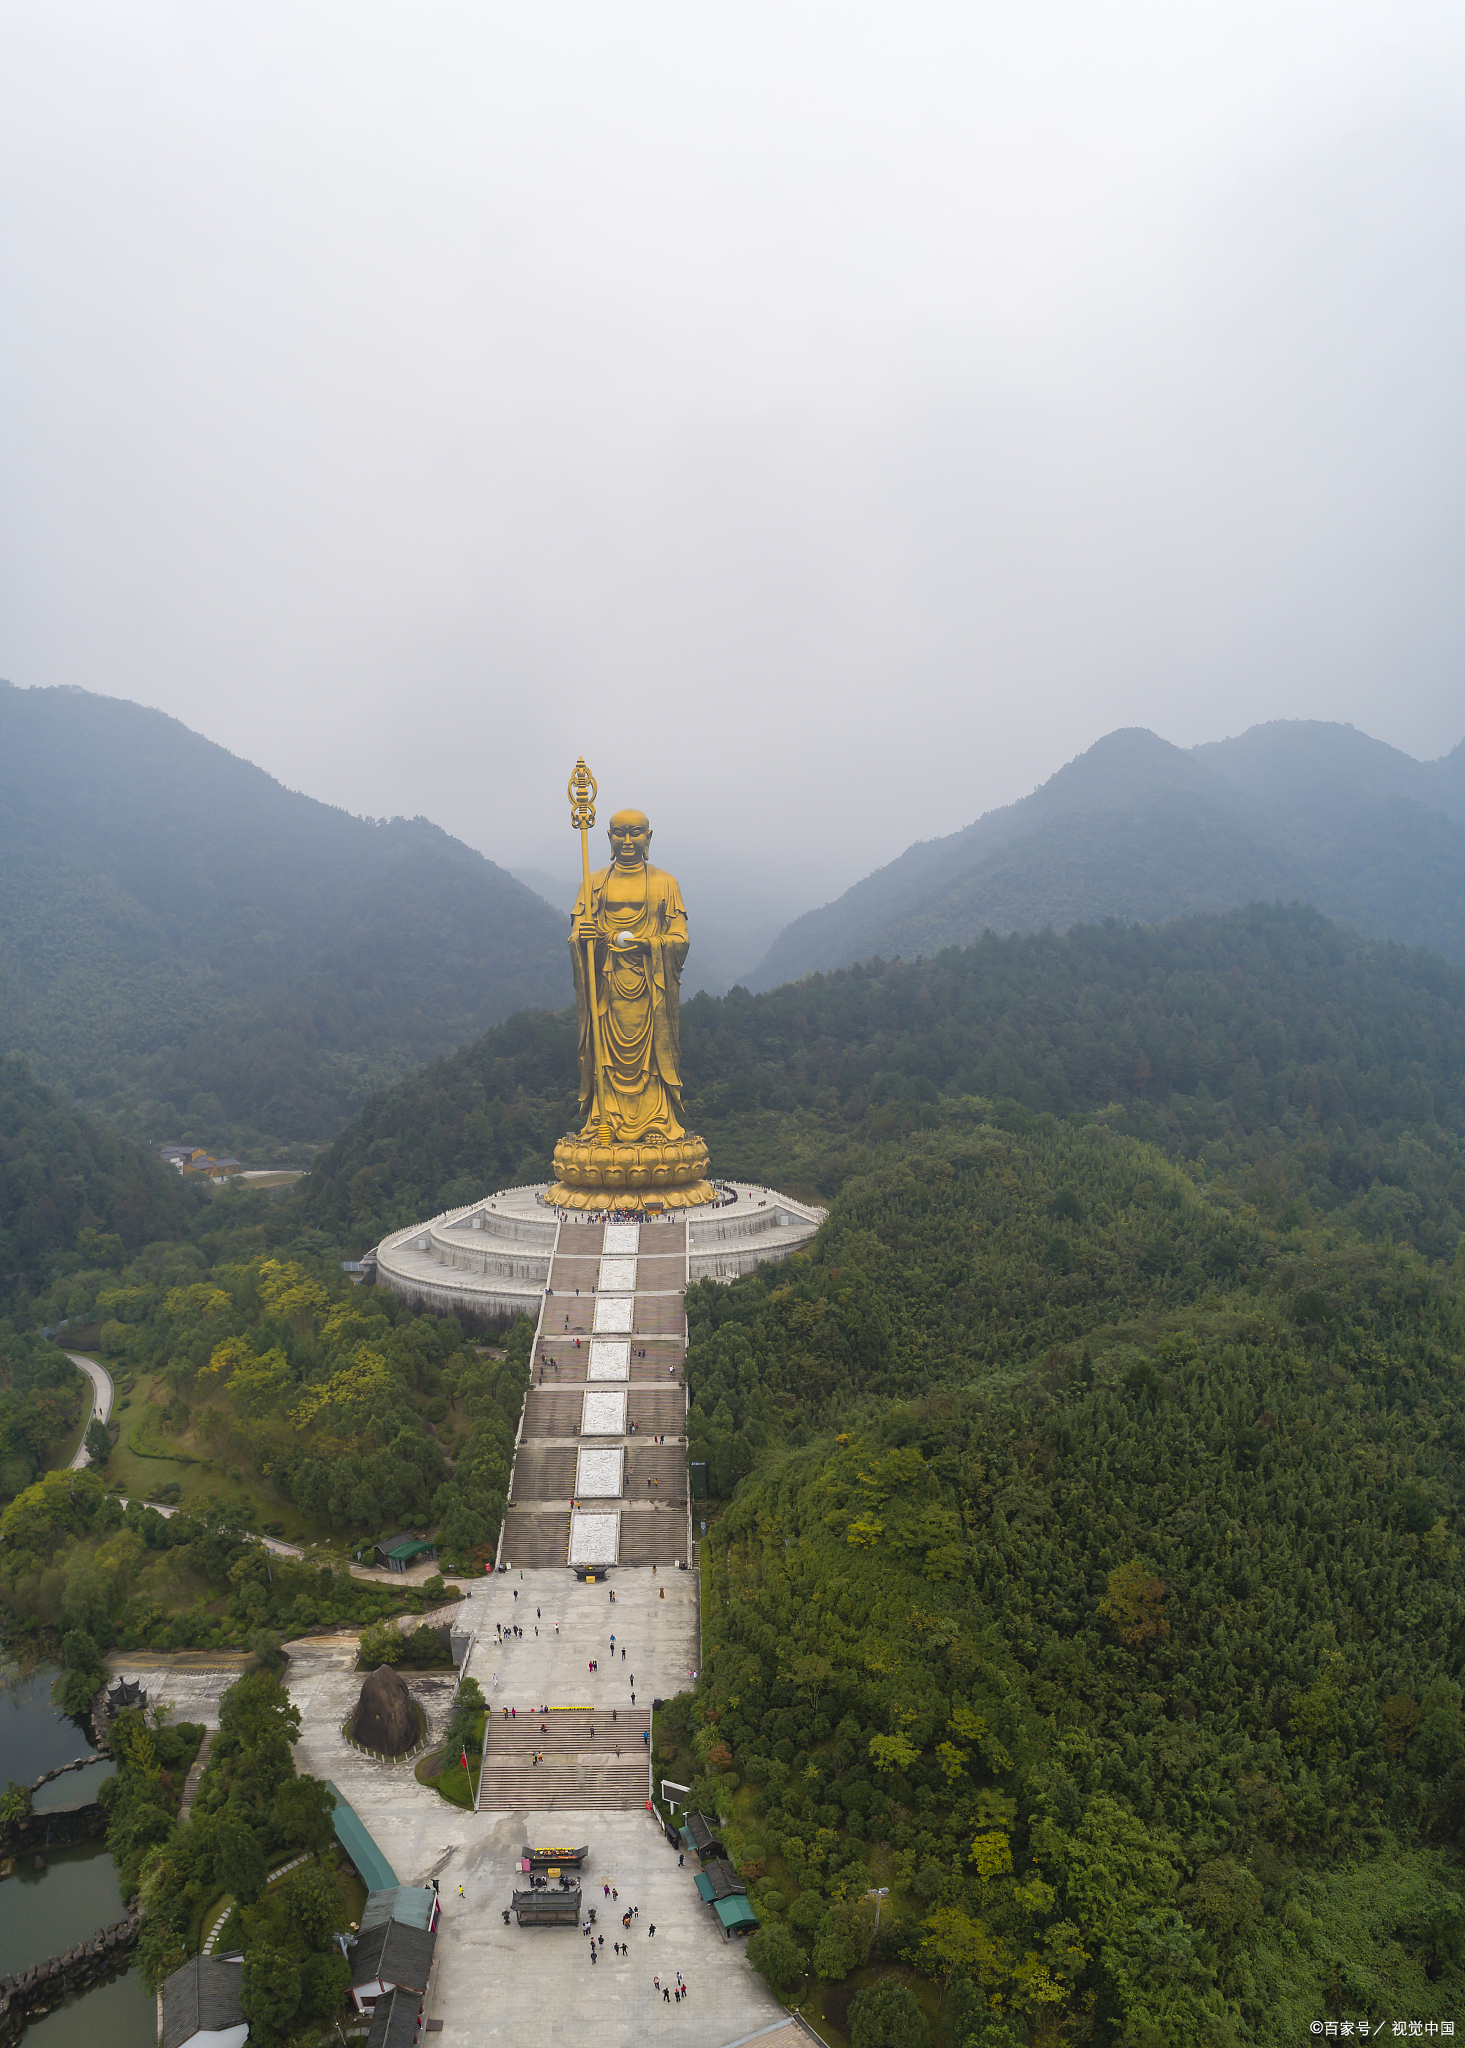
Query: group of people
613, 1215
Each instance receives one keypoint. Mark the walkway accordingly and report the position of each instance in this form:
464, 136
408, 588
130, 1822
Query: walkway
569, 1665
600, 1471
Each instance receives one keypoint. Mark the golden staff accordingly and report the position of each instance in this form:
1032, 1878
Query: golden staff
582, 792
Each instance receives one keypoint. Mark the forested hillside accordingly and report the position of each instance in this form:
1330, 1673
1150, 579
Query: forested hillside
1326, 1069
1092, 1580
253, 1374
1140, 830
1083, 1565
194, 951
73, 1194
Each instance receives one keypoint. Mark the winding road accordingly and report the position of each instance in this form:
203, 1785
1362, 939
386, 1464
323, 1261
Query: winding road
103, 1393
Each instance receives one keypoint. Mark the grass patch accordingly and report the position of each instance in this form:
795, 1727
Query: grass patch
199, 1926
448, 1776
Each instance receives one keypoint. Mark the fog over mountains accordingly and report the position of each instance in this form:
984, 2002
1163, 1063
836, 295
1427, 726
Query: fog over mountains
1141, 830
198, 951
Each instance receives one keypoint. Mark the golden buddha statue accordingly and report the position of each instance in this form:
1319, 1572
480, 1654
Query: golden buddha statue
628, 940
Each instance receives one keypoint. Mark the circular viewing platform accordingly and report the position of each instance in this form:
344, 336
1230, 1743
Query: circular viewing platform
491, 1258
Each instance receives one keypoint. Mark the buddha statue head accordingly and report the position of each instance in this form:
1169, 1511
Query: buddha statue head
630, 839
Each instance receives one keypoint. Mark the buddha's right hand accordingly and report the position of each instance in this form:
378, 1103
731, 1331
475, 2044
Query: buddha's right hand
586, 931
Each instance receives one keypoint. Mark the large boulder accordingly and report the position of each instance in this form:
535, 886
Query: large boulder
385, 1718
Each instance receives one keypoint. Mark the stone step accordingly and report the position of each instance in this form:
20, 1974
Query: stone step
659, 1539
518, 1786
564, 1733
572, 1370
543, 1472
665, 1463
554, 1412
532, 1538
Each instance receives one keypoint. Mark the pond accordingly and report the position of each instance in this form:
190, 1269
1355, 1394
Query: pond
45, 1911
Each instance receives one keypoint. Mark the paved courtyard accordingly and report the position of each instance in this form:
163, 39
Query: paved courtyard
537, 1984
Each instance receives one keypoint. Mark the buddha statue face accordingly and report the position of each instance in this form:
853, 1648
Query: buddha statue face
630, 838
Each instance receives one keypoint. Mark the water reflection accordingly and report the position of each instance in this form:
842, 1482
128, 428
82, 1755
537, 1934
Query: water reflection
33, 1736
43, 1912
77, 1788
122, 2014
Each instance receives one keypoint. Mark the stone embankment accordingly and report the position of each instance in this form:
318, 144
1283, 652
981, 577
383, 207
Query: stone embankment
29, 1993
33, 1991
55, 1830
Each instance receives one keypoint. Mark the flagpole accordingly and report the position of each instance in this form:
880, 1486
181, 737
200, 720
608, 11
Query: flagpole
582, 792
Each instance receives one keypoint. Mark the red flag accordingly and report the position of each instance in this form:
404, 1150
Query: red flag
465, 1756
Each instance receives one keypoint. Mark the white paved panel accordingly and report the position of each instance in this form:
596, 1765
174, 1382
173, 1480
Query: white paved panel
622, 1237
188, 1694
617, 1276
613, 1313
594, 1539
598, 1472
609, 1360
603, 1412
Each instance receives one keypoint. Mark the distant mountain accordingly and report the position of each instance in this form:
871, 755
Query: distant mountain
720, 952
558, 892
1141, 830
198, 952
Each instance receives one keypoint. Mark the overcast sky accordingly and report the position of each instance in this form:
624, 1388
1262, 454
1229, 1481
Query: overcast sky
828, 418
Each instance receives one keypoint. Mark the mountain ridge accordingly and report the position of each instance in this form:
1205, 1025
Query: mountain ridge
1281, 791
195, 950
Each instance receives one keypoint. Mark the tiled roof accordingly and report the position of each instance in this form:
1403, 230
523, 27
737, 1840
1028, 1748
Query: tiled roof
394, 2023
393, 1953
202, 1997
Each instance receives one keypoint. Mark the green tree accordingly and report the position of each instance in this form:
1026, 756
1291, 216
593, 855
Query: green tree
301, 1815
888, 2015
82, 1674
98, 1441
270, 1994
324, 1982
268, 1650
239, 1861
776, 1956
955, 1945
311, 1900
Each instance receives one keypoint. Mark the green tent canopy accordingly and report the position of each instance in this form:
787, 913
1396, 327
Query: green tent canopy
371, 1866
736, 1915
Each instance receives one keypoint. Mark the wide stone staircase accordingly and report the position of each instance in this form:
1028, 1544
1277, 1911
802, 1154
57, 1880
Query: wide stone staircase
629, 1280
580, 1769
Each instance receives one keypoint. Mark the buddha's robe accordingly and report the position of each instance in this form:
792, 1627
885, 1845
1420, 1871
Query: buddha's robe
641, 942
